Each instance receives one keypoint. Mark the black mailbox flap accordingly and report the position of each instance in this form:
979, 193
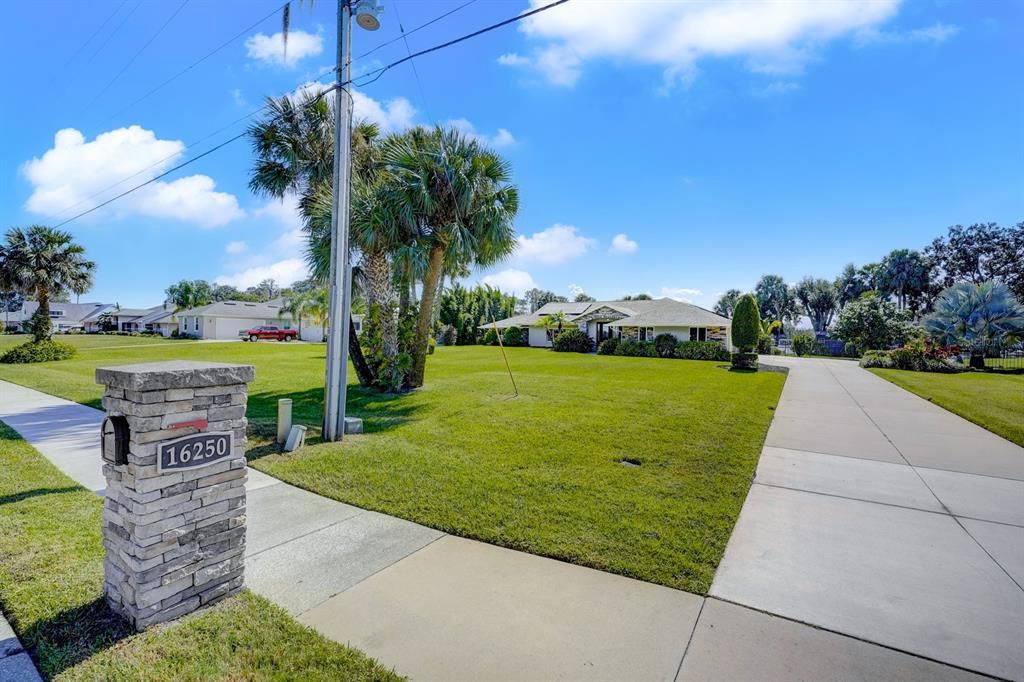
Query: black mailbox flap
114, 440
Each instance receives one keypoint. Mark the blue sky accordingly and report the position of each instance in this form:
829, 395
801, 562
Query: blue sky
674, 148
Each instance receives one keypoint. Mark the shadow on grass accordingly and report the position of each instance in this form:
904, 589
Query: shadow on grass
69, 637
24, 495
379, 411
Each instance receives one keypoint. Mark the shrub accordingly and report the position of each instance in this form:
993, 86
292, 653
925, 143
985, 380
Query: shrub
38, 351
431, 345
803, 344
490, 337
850, 349
744, 360
665, 345
911, 358
636, 349
872, 323
573, 341
764, 344
448, 336
514, 336
746, 323
608, 346
701, 350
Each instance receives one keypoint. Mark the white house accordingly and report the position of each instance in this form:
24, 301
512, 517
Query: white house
65, 316
225, 319
636, 320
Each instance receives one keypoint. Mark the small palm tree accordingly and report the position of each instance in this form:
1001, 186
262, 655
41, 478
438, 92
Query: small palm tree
981, 317
553, 324
47, 263
296, 306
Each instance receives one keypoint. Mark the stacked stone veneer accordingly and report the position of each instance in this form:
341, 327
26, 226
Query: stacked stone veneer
175, 542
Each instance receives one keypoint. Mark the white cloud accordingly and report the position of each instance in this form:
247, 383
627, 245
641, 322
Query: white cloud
284, 272
575, 290
936, 33
623, 244
680, 293
511, 281
73, 170
394, 115
239, 99
557, 244
502, 138
775, 36
513, 59
281, 259
271, 49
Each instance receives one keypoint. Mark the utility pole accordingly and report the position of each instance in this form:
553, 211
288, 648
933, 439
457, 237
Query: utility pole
341, 272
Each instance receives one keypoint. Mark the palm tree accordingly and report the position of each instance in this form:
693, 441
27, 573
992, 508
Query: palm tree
47, 263
294, 149
455, 197
553, 323
980, 316
319, 309
296, 306
903, 274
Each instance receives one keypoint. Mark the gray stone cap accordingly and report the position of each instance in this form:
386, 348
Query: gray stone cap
156, 376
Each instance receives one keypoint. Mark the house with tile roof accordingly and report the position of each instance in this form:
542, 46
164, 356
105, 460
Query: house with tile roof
635, 320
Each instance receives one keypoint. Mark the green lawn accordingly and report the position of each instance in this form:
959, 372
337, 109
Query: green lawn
541, 473
993, 400
51, 576
92, 340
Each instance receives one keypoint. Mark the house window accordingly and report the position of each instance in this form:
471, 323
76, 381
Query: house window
698, 334
56, 313
646, 333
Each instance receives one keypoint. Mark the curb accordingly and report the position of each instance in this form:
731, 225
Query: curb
15, 663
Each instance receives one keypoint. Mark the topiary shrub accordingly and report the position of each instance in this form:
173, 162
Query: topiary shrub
514, 336
803, 344
608, 346
701, 350
38, 351
744, 360
665, 345
490, 338
573, 341
746, 331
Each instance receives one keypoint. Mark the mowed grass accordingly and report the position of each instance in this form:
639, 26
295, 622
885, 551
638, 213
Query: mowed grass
992, 400
51, 577
91, 340
542, 472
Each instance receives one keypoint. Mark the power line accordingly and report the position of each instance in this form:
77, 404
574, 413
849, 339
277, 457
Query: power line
379, 72
404, 34
94, 34
110, 36
140, 51
198, 61
412, 63
159, 162
176, 168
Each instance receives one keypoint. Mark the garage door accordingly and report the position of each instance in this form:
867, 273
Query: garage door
228, 327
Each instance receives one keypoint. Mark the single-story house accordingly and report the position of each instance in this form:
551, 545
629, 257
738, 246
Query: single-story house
636, 320
225, 319
123, 319
65, 316
161, 319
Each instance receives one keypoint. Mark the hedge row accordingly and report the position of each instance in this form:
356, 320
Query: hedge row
662, 348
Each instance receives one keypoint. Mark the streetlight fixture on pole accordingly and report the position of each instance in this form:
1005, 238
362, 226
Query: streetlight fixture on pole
366, 12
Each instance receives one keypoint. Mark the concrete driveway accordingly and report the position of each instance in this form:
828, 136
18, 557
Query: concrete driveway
876, 514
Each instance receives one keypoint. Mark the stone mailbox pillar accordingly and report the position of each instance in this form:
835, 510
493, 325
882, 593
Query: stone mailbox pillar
174, 459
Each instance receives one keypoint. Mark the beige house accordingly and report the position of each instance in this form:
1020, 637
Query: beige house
636, 320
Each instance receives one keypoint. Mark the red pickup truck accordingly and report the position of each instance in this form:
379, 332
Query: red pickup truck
268, 332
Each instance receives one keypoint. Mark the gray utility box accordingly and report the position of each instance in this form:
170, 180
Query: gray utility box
173, 448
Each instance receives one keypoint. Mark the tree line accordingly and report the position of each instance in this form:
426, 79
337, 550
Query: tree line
911, 280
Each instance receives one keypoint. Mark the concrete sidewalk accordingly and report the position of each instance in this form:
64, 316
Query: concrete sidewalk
439, 607
877, 514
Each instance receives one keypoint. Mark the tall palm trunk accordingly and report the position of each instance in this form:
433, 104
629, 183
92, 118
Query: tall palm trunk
355, 353
383, 328
435, 266
42, 328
